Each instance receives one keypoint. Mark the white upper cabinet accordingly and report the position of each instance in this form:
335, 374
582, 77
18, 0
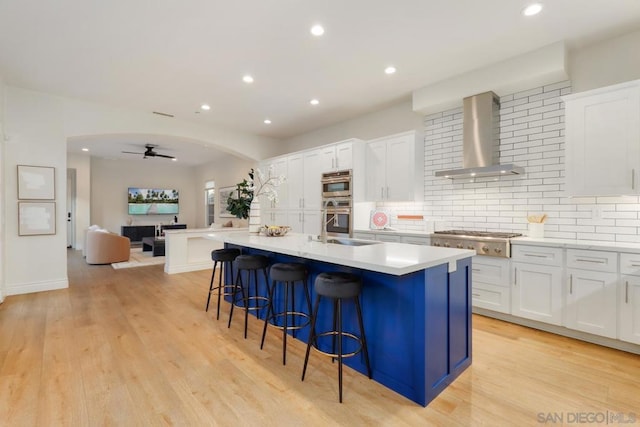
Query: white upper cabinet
603, 141
295, 182
315, 163
395, 168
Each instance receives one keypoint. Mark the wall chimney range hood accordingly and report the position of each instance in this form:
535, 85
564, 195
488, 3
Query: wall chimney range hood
481, 129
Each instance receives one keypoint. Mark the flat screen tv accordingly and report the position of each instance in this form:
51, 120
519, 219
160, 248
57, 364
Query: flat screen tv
153, 201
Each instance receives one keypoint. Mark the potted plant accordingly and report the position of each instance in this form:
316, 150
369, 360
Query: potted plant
246, 204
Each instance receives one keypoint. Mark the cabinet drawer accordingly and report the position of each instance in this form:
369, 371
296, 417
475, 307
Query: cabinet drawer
537, 254
494, 271
592, 260
415, 240
630, 264
491, 297
388, 238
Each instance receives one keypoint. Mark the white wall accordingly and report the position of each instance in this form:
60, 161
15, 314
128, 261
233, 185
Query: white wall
2, 204
35, 128
224, 172
396, 118
608, 62
110, 180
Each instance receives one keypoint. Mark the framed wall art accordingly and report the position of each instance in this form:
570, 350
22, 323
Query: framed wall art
36, 183
36, 218
225, 192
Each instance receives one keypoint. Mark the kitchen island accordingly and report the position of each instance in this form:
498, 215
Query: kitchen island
416, 303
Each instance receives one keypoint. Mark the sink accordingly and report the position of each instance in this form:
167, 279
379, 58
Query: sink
351, 242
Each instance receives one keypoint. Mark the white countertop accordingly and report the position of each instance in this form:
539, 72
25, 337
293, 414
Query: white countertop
578, 244
390, 258
203, 230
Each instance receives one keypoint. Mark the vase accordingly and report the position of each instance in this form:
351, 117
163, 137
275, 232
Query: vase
254, 217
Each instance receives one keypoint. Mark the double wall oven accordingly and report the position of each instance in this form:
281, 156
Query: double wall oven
337, 203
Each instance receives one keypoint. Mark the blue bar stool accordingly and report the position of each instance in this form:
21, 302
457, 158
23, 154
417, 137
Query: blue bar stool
287, 274
225, 257
338, 287
249, 263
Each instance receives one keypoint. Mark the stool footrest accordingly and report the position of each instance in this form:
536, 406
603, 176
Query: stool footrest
289, 313
314, 344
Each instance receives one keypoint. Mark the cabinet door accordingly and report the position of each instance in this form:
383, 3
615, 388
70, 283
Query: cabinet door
344, 156
591, 302
295, 182
313, 168
376, 171
629, 329
295, 220
399, 168
602, 150
328, 159
312, 222
537, 292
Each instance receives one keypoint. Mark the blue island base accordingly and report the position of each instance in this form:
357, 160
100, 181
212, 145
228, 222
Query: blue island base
417, 326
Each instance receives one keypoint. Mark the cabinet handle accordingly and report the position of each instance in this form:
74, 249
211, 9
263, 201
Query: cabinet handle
381, 192
635, 265
633, 179
515, 276
626, 292
570, 284
596, 261
387, 192
475, 269
535, 255
475, 295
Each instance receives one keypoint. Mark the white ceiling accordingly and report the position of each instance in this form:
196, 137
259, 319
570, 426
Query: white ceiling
172, 56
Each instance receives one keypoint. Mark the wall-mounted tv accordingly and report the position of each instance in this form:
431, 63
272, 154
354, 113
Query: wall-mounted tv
152, 201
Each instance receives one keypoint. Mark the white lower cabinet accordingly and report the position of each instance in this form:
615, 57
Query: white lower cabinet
536, 292
629, 299
491, 289
591, 292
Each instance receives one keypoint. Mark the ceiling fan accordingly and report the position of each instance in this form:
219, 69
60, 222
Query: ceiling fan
149, 152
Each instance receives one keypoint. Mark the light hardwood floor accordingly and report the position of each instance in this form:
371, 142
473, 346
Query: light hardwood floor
135, 347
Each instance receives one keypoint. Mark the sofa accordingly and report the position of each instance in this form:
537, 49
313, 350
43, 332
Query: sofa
104, 247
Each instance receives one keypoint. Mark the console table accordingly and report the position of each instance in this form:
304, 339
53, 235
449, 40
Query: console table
135, 233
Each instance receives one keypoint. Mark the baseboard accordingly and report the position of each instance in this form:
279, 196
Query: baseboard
184, 268
27, 288
561, 330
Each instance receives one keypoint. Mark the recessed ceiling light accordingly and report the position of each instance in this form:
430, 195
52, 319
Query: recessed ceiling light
174, 160
314, 102
317, 30
205, 107
85, 149
267, 121
390, 70
532, 9
247, 79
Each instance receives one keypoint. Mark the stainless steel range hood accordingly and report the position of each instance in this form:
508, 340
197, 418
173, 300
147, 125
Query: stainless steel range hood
481, 129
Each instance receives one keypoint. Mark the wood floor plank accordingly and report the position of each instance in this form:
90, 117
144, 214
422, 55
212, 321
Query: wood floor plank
135, 347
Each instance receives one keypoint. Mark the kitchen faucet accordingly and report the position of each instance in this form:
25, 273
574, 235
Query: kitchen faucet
323, 223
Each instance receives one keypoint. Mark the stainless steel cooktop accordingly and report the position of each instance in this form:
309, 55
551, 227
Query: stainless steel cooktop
488, 243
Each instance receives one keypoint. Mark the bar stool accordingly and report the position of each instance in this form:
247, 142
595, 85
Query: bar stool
287, 274
225, 257
337, 286
249, 263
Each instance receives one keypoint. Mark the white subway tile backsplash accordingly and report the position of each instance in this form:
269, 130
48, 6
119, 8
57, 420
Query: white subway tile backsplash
532, 136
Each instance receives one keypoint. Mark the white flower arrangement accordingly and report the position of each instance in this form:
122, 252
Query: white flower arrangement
262, 185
